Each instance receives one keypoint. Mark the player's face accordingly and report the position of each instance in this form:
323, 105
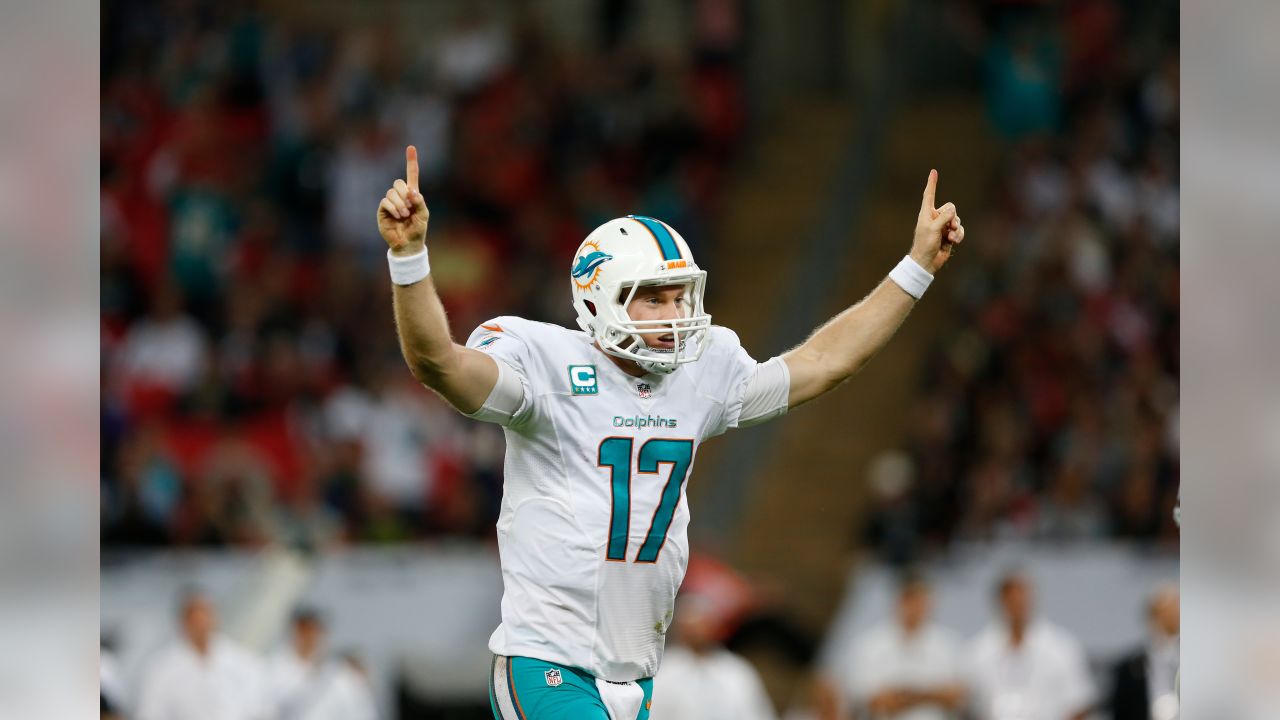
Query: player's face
659, 302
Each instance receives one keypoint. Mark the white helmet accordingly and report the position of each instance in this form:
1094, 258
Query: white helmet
614, 261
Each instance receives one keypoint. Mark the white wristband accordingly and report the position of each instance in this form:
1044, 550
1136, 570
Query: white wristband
408, 269
911, 277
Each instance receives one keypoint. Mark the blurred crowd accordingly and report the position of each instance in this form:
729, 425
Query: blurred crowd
202, 673
251, 387
1050, 406
1022, 665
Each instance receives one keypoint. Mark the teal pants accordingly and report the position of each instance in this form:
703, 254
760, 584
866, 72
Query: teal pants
522, 688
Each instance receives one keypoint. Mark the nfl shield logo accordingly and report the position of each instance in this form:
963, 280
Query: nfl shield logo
553, 677
644, 389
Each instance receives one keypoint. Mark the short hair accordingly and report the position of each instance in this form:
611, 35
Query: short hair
911, 580
1010, 577
307, 615
190, 595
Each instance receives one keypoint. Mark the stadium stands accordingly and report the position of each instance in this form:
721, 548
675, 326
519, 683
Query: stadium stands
251, 389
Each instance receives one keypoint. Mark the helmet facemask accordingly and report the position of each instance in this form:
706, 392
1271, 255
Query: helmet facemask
621, 336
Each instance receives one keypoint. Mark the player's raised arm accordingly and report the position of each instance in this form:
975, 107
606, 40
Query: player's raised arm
462, 376
840, 348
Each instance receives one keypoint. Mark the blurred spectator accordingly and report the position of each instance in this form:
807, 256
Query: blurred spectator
473, 52
699, 679
303, 521
1144, 684
163, 353
298, 672
367, 156
399, 432
1070, 510
1026, 668
145, 495
908, 668
893, 525
306, 684
230, 499
202, 675
1023, 69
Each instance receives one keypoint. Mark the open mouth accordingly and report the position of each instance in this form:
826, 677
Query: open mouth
666, 342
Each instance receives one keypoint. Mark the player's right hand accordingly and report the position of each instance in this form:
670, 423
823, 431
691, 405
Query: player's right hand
403, 214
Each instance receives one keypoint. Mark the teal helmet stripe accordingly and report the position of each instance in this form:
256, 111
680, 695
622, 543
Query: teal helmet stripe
666, 243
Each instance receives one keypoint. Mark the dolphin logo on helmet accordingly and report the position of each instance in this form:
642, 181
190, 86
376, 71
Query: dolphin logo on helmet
590, 262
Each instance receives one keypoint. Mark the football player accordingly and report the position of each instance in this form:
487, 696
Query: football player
602, 426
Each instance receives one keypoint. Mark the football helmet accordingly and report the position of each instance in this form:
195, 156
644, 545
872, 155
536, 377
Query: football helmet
616, 260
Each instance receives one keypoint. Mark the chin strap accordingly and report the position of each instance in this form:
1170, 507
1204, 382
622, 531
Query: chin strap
654, 366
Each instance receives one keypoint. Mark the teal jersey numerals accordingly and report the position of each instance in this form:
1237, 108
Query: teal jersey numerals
615, 454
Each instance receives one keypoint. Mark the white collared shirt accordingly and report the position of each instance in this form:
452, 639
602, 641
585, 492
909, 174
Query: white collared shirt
292, 682
344, 695
224, 684
887, 657
318, 689
1045, 678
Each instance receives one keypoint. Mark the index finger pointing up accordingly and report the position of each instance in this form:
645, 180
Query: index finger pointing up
930, 189
411, 166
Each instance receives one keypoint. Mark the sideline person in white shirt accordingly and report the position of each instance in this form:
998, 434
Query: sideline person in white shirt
1024, 668
346, 695
297, 670
202, 675
907, 668
307, 684
700, 680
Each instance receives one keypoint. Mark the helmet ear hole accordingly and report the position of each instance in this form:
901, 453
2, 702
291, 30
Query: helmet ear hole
590, 306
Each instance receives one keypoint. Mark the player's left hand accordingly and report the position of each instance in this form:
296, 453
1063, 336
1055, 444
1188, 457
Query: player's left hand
938, 230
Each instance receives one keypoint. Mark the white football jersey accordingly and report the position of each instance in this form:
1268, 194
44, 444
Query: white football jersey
592, 533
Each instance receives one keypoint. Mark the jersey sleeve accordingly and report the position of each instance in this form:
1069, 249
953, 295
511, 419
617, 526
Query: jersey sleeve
756, 391
511, 402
